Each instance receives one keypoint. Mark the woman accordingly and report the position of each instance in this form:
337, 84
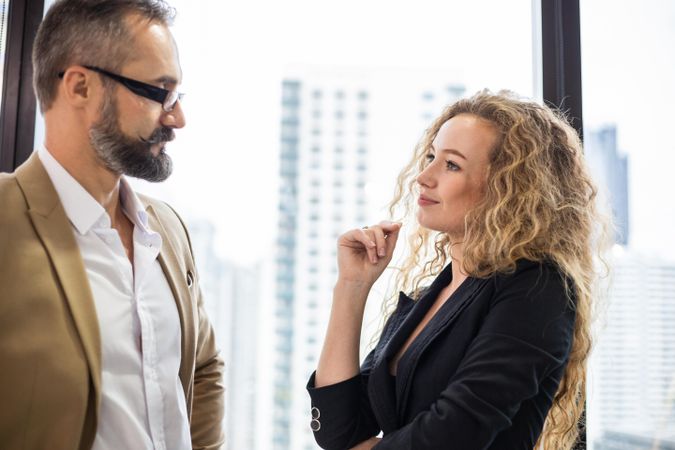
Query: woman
494, 350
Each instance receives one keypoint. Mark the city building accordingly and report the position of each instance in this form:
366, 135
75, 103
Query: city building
632, 380
610, 170
324, 148
331, 135
232, 296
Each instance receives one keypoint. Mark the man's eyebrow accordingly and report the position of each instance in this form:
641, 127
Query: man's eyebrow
452, 151
165, 80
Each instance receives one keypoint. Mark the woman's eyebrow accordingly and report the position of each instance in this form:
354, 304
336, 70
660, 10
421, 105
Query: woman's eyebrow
451, 150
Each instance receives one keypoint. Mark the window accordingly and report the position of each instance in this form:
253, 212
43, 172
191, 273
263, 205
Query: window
249, 138
628, 143
4, 10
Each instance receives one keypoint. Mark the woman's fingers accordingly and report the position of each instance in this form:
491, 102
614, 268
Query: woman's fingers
378, 236
389, 226
384, 235
392, 237
365, 237
378, 241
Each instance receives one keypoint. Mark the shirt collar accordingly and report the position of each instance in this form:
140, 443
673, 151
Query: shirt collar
82, 209
133, 207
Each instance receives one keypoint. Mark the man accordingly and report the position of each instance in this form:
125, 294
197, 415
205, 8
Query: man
104, 342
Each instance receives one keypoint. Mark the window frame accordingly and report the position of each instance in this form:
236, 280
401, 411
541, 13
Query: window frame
17, 110
560, 71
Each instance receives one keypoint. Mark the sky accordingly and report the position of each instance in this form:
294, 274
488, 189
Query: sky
235, 54
628, 68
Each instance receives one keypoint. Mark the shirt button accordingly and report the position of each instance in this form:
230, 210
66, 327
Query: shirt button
315, 413
315, 425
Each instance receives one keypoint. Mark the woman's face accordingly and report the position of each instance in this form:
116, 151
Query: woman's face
453, 180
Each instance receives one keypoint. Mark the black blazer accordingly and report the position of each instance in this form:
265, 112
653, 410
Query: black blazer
481, 375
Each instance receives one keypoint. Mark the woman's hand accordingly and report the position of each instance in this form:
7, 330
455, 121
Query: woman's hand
363, 254
367, 445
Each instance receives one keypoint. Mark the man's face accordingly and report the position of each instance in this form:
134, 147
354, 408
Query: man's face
132, 131
126, 155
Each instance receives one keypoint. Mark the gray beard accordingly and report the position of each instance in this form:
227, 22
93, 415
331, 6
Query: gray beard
124, 155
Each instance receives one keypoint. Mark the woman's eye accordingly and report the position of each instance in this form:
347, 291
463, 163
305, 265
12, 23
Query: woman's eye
429, 157
451, 165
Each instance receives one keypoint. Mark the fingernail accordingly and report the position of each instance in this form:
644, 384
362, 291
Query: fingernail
380, 252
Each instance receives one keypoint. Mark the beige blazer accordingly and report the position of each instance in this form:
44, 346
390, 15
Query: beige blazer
50, 349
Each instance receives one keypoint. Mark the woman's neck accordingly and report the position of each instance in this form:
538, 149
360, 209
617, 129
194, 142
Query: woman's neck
457, 257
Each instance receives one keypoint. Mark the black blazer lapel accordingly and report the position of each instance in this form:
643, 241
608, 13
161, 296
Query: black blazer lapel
445, 316
381, 384
383, 388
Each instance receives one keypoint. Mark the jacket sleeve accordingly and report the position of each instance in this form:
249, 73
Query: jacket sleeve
341, 413
525, 336
208, 403
346, 416
208, 394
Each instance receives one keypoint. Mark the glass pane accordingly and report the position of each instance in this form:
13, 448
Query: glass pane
299, 119
4, 12
39, 121
300, 115
628, 93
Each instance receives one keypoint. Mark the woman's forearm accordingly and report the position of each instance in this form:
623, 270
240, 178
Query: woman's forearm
339, 358
367, 445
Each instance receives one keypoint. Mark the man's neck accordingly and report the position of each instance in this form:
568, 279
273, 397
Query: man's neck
102, 184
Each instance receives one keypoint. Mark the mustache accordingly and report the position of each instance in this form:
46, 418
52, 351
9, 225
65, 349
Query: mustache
162, 134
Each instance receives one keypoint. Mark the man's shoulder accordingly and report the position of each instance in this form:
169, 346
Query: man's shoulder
163, 210
168, 217
7, 181
151, 201
11, 195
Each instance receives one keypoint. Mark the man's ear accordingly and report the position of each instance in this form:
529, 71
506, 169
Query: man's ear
78, 86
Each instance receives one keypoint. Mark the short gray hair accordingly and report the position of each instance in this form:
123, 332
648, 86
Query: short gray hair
87, 32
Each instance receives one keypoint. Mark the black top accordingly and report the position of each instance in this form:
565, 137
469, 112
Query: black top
481, 375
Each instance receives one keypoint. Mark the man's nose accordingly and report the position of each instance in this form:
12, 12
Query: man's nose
174, 118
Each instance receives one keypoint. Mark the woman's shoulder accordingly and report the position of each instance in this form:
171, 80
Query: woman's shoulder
525, 269
536, 278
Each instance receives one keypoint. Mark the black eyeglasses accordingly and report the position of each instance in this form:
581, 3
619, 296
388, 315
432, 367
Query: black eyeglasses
167, 98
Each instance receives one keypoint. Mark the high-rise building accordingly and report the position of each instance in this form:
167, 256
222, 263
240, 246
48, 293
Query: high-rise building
324, 149
334, 123
610, 170
615, 440
435, 100
633, 369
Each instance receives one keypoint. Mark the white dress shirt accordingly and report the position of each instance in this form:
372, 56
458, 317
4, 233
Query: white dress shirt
142, 399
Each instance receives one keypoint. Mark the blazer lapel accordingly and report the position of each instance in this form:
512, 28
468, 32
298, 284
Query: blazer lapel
383, 387
381, 384
54, 230
422, 305
391, 395
443, 318
174, 272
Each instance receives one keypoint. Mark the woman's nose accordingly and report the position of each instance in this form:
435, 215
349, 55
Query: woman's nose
425, 177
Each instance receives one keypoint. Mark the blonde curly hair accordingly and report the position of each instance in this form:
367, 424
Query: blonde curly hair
539, 204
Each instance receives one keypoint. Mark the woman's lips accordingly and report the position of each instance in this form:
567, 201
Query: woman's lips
426, 201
